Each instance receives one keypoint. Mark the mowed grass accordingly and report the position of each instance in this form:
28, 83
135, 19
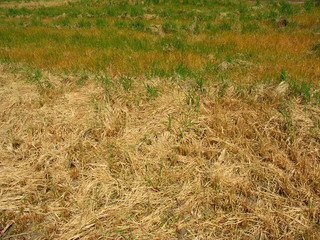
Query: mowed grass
160, 119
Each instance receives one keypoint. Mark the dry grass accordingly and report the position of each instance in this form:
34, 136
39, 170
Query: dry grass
76, 163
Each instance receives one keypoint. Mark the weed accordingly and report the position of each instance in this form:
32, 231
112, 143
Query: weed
101, 22
243, 9
316, 96
250, 28
137, 25
169, 27
183, 70
107, 83
185, 126
170, 118
62, 22
200, 84
158, 72
82, 79
151, 90
36, 22
192, 99
283, 76
287, 117
17, 11
273, 15
301, 89
83, 23
288, 123
222, 89
96, 105
286, 8
126, 82
120, 24
316, 48
36, 76
309, 5
42, 83
172, 42
224, 26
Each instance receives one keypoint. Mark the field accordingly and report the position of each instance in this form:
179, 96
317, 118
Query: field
159, 119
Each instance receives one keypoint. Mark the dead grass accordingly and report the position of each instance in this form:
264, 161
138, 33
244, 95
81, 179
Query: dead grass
75, 164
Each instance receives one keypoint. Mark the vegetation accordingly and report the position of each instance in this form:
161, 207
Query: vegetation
159, 119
